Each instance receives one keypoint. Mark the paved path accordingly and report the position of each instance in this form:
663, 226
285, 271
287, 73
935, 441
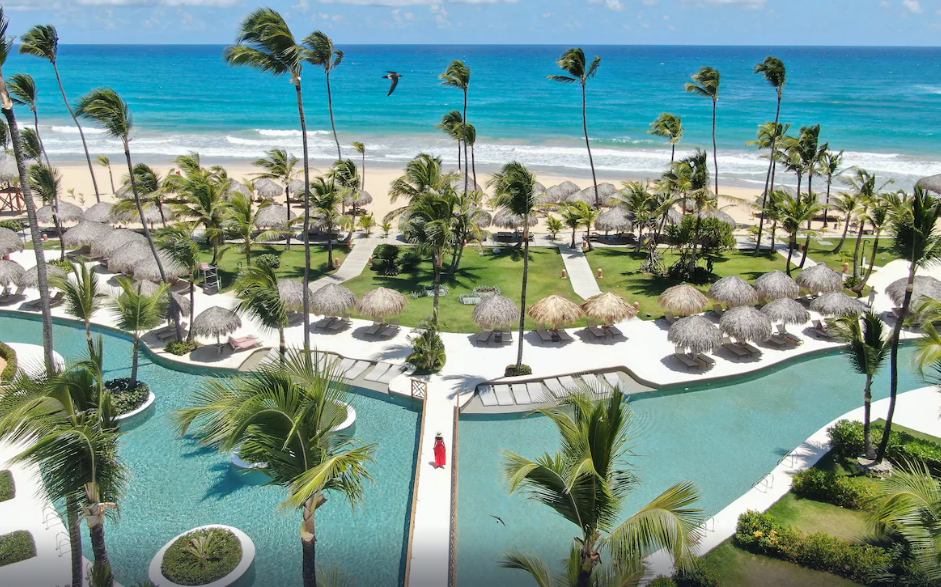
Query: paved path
354, 263
583, 280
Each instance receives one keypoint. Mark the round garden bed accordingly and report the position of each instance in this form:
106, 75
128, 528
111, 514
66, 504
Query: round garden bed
132, 403
208, 556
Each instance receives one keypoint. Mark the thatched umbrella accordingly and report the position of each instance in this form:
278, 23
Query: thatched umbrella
147, 269
482, 218
124, 192
67, 213
837, 304
381, 303
555, 194
538, 187
216, 321
507, 219
458, 182
268, 189
786, 311
607, 190
84, 233
775, 285
931, 183
100, 212
734, 291
125, 258
291, 292
115, 240
31, 276
820, 279
332, 300
746, 323
362, 198
674, 216
149, 288
924, 287
237, 187
568, 188
555, 311
718, 215
11, 273
10, 242
274, 216
496, 311
683, 299
614, 219
295, 186
608, 308
9, 173
695, 333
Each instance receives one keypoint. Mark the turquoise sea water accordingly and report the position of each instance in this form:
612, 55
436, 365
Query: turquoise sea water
725, 438
176, 485
882, 105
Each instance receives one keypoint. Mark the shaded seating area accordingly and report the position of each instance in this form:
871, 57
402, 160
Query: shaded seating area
554, 311
697, 334
495, 314
682, 300
608, 309
334, 302
380, 304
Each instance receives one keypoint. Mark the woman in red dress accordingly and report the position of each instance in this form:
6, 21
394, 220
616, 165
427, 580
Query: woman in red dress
440, 451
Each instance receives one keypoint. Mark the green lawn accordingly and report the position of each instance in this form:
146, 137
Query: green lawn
503, 269
822, 254
738, 568
292, 262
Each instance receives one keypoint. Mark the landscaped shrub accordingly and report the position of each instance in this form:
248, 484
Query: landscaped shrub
201, 557
16, 547
9, 355
409, 262
662, 581
428, 353
386, 257
848, 492
846, 439
63, 263
14, 225
268, 260
126, 397
181, 347
7, 487
701, 575
512, 371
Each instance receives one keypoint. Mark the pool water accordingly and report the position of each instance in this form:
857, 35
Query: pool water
176, 485
724, 437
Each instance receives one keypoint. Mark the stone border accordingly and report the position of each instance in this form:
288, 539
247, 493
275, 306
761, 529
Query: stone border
245, 565
131, 418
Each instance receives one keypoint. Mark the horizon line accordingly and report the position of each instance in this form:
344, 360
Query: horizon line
764, 46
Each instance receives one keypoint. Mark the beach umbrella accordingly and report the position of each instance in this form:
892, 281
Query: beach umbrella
267, 188
237, 187
683, 299
10, 242
555, 311
614, 219
216, 321
124, 192
931, 183
924, 287
482, 218
696, 333
539, 188
149, 288
820, 279
151, 214
786, 311
504, 218
496, 311
674, 216
555, 194
274, 216
295, 187
147, 270
734, 291
776, 284
362, 198
125, 258
381, 303
837, 304
746, 323
85, 233
608, 308
718, 215
291, 292
9, 173
30, 277
100, 212
458, 182
545, 198
332, 300
607, 190
114, 240
11, 273
568, 188
67, 213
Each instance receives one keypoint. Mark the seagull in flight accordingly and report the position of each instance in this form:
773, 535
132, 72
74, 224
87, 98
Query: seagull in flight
395, 81
497, 518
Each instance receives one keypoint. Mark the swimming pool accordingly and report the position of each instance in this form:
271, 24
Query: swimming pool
724, 437
177, 485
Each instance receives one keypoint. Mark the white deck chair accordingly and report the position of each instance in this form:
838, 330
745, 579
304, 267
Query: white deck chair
591, 381
378, 371
392, 373
487, 397
521, 394
568, 384
537, 392
345, 365
356, 370
555, 387
613, 379
504, 396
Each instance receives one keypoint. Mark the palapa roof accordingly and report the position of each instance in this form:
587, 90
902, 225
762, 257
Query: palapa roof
837, 304
746, 323
147, 268
614, 219
114, 240
674, 216
292, 294
820, 278
608, 308
504, 218
538, 187
149, 288
10, 242
362, 198
126, 257
568, 188
9, 173
11, 273
238, 187
31, 276
67, 213
555, 310
100, 212
787, 311
332, 300
216, 321
695, 333
458, 182
151, 214
776, 284
295, 186
495, 311
931, 183
268, 188
274, 216
84, 233
924, 287
555, 194
683, 299
734, 291
381, 302
718, 215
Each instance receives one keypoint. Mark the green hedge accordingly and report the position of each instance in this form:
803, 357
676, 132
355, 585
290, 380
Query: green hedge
701, 575
7, 486
848, 492
181, 347
846, 439
127, 398
14, 225
662, 581
16, 547
9, 355
201, 557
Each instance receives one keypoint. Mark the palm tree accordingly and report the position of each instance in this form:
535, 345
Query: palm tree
320, 52
452, 124
46, 182
574, 63
204, 203
429, 223
830, 165
43, 41
795, 211
422, 174
361, 149
866, 348
279, 166
23, 89
325, 200
690, 178
138, 313
105, 162
637, 199
285, 415
587, 482
848, 204
82, 296
179, 243
863, 184
775, 74
345, 176
587, 215
879, 215
265, 43
458, 75
706, 84
668, 126
367, 223
152, 190
470, 139
241, 219
572, 218
260, 298
769, 135
515, 192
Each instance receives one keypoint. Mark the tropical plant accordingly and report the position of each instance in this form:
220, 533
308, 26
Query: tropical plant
775, 73
367, 223
325, 200
137, 313
286, 415
204, 204
257, 288
428, 352
321, 52
422, 174
105, 162
470, 139
241, 223
637, 198
82, 297
830, 165
458, 75
588, 216
22, 88
847, 204
152, 190
878, 215
689, 177
668, 126
452, 124
46, 183
810, 152
706, 84
579, 71
278, 165
794, 212
178, 242
571, 218
554, 226
469, 220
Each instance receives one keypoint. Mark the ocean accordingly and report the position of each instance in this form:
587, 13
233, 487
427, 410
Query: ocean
881, 105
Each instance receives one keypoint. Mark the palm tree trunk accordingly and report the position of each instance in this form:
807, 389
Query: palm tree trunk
309, 544
88, 337
672, 152
333, 124
774, 229
870, 452
96, 531
804, 256
474, 164
464, 140
459, 154
826, 206
872, 262
591, 161
189, 335
42, 147
55, 220
81, 133
574, 228
135, 356
111, 179
439, 261
894, 364
859, 240
75, 541
330, 251
768, 184
306, 295
846, 227
287, 206
715, 148
791, 241
519, 348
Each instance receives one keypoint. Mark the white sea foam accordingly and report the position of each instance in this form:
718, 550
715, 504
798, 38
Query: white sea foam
73, 130
265, 132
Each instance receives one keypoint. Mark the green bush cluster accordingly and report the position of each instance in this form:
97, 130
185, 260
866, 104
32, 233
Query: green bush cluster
701, 575
126, 396
16, 547
662, 581
512, 371
9, 355
7, 486
428, 352
268, 260
409, 262
848, 492
846, 440
14, 225
181, 347
63, 263
201, 557
761, 534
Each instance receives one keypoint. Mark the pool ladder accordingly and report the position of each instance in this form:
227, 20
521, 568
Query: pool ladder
63, 543
49, 516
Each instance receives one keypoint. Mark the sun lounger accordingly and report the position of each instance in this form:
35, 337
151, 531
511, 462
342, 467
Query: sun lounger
704, 360
484, 337
324, 322
521, 394
568, 384
733, 348
57, 300
717, 309
506, 336
615, 332
680, 353
537, 392
613, 379
791, 338
544, 335
487, 396
821, 330
592, 382
345, 365
504, 396
356, 370
669, 317
564, 336
374, 329
243, 343
338, 324
390, 330
595, 330
778, 341
555, 387
755, 351
168, 332
377, 372
392, 373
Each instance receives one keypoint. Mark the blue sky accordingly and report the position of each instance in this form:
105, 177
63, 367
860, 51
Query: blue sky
594, 22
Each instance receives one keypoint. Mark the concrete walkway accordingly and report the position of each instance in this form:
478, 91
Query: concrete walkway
354, 263
583, 280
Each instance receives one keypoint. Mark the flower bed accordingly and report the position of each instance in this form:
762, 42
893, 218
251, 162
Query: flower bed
208, 556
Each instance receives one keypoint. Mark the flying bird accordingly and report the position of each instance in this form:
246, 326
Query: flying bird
497, 518
395, 81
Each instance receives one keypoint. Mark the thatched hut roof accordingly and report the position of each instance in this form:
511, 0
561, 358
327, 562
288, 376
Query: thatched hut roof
237, 187
787, 311
362, 198
458, 182
608, 308
734, 291
683, 299
607, 190
496, 311
504, 218
695, 333
332, 300
614, 219
931, 183
538, 187
84, 233
820, 278
924, 287
67, 213
10, 242
555, 194
114, 240
147, 270
718, 215
746, 323
837, 304
292, 294
11, 273
568, 188
776, 284
381, 303
9, 173
274, 216
125, 258
215, 321
555, 310
295, 186
31, 276
124, 192
149, 288
268, 188
100, 212
151, 214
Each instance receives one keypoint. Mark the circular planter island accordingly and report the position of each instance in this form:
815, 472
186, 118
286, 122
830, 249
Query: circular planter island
138, 415
241, 570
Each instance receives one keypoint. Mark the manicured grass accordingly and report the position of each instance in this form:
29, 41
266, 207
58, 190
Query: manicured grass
7, 487
823, 254
51, 244
915, 433
814, 516
738, 568
16, 547
503, 269
292, 262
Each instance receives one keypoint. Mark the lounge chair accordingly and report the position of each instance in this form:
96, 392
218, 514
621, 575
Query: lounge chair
392, 373
484, 337
680, 353
668, 315
391, 329
613, 379
506, 336
57, 300
568, 384
504, 395
820, 329
615, 332
717, 309
537, 392
544, 335
487, 396
592, 382
378, 371
244, 343
339, 324
753, 350
791, 338
356, 370
555, 387
778, 341
521, 394
733, 348
594, 329
375, 328
704, 360
564, 336
324, 322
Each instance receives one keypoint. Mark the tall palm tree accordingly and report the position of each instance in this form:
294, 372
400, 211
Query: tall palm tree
241, 218
43, 41
278, 165
586, 215
690, 178
452, 124
285, 415
775, 74
847, 203
867, 349
152, 189
257, 288
361, 149
579, 71
865, 187
204, 203
637, 199
320, 52
572, 218
46, 182
82, 296
879, 215
325, 200
178, 242
105, 162
706, 84
22, 87
515, 192
770, 136
810, 152
668, 126
586, 483
458, 75
429, 223
830, 165
138, 313
422, 174
265, 43
795, 211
